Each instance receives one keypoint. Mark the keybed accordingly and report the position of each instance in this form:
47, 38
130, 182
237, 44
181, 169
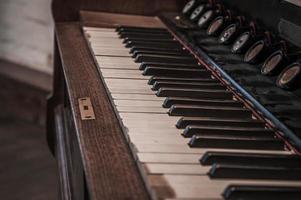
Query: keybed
172, 167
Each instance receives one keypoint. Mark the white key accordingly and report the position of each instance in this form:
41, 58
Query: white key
127, 82
201, 187
184, 149
133, 109
138, 103
169, 158
92, 29
180, 169
110, 60
148, 97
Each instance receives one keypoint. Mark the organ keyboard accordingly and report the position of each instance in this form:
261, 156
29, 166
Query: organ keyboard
169, 122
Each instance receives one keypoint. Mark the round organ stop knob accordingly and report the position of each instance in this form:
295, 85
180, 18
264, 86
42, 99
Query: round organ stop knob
219, 23
227, 35
241, 42
246, 39
273, 64
215, 26
205, 19
189, 7
202, 7
254, 52
232, 30
197, 12
290, 77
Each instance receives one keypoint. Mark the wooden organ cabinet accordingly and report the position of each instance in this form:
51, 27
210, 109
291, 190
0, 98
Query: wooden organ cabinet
176, 99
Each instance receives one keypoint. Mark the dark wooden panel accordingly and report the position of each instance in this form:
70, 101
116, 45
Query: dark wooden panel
68, 10
102, 19
110, 170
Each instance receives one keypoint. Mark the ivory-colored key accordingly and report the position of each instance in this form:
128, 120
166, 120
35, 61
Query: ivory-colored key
145, 116
131, 91
184, 149
172, 168
133, 82
156, 133
133, 109
137, 97
120, 45
124, 84
110, 52
121, 71
191, 186
168, 158
98, 29
137, 103
105, 34
99, 41
148, 124
111, 60
122, 75
161, 141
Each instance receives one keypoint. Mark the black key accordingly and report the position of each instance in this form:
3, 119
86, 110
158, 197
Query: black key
168, 84
140, 29
178, 72
251, 159
209, 111
185, 121
254, 172
156, 48
171, 45
165, 58
236, 143
136, 53
169, 101
130, 40
158, 35
143, 65
194, 93
153, 79
261, 192
191, 130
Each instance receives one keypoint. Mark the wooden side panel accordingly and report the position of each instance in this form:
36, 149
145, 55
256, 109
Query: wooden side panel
110, 170
68, 10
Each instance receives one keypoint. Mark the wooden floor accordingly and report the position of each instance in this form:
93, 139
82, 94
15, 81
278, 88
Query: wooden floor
27, 169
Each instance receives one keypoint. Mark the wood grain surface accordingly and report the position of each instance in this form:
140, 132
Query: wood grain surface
101, 19
110, 170
68, 10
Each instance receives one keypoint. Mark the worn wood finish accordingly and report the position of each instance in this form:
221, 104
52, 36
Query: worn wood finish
110, 170
101, 19
68, 10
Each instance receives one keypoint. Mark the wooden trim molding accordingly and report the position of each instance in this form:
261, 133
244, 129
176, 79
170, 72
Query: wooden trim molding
102, 19
109, 166
68, 10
